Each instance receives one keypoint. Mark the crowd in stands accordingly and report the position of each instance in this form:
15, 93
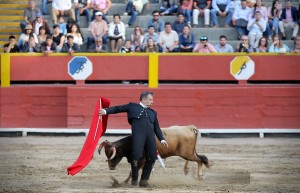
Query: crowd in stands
258, 27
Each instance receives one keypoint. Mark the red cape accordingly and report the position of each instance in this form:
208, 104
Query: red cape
97, 129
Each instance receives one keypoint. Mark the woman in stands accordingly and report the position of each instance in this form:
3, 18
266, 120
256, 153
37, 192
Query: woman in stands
262, 45
116, 33
75, 32
296, 47
137, 37
42, 35
274, 13
186, 40
277, 46
151, 46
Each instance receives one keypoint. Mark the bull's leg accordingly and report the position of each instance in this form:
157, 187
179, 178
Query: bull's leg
128, 178
200, 173
186, 168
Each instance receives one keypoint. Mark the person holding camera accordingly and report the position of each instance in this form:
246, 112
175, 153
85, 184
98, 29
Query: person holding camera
244, 45
204, 47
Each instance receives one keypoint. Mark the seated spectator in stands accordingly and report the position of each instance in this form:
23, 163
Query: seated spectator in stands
38, 22
168, 39
274, 13
289, 19
220, 8
168, 7
150, 34
201, 8
296, 46
44, 6
234, 4
97, 28
70, 47
42, 36
98, 46
82, 7
244, 45
11, 46
277, 46
101, 5
137, 49
62, 25
62, 8
137, 37
29, 14
49, 46
203, 46
262, 45
31, 46
127, 47
133, 8
256, 28
186, 8
186, 40
240, 18
116, 33
150, 46
179, 24
58, 38
156, 22
264, 15
77, 36
70, 22
223, 47
24, 37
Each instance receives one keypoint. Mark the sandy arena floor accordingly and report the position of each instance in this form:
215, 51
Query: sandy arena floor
38, 164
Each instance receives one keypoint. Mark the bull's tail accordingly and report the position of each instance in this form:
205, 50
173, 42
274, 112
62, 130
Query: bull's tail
204, 160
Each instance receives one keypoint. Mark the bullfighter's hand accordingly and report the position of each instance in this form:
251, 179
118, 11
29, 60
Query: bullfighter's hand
164, 142
102, 112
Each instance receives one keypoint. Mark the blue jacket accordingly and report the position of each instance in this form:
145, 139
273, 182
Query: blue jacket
294, 14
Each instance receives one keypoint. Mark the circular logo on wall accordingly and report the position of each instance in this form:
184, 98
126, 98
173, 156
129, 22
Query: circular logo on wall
80, 67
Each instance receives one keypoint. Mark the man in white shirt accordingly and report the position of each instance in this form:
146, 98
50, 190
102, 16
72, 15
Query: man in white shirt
240, 18
256, 27
168, 39
62, 8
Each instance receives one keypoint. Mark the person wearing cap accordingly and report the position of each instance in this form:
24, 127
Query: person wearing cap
82, 7
70, 47
24, 37
220, 8
11, 46
58, 37
97, 28
168, 39
62, 8
98, 46
223, 47
38, 22
204, 47
101, 5
29, 14
289, 19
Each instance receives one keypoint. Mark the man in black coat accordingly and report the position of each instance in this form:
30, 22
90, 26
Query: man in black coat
144, 126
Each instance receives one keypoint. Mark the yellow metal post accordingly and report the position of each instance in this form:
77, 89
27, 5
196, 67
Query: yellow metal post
153, 70
5, 70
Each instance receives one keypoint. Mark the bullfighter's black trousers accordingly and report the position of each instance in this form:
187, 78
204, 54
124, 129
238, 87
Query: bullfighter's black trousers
143, 139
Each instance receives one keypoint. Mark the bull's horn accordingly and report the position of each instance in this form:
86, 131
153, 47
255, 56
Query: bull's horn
100, 147
114, 153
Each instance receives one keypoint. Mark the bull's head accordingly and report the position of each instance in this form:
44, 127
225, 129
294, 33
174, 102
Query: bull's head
111, 153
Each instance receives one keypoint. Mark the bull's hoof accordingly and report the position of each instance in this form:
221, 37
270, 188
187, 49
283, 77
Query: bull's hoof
144, 183
186, 171
115, 183
200, 177
134, 183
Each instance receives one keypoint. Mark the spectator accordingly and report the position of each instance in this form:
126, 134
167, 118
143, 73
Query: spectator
256, 27
101, 5
98, 46
133, 8
38, 22
151, 46
244, 45
274, 13
168, 39
58, 38
44, 6
82, 7
240, 18
168, 7
262, 45
24, 37
70, 47
127, 47
42, 36
62, 25
289, 18
201, 8
296, 46
150, 34
179, 24
29, 14
223, 47
70, 22
31, 46
62, 8
264, 15
137, 38
49, 46
277, 46
137, 49
98, 28
186, 9
76, 34
220, 8
186, 40
11, 46
156, 22
116, 33
203, 46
